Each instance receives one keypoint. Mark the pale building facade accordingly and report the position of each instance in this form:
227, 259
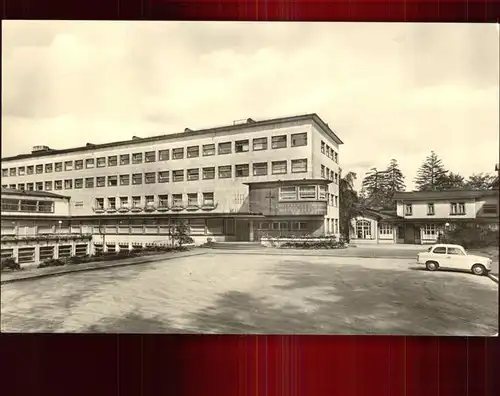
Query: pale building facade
135, 189
421, 216
36, 226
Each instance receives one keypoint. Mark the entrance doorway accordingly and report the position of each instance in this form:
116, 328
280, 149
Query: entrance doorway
242, 230
412, 234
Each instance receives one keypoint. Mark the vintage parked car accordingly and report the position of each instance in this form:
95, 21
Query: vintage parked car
447, 256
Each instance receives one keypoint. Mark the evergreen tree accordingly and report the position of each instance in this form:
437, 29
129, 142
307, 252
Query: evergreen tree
453, 181
375, 188
395, 177
431, 174
480, 181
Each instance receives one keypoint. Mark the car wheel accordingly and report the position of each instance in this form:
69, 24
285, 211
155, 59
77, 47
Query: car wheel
478, 269
431, 265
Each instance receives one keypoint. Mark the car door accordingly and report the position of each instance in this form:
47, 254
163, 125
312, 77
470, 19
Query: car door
456, 258
439, 255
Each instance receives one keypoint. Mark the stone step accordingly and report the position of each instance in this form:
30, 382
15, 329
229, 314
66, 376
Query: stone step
237, 245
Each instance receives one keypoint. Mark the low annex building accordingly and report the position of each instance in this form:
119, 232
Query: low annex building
36, 226
421, 216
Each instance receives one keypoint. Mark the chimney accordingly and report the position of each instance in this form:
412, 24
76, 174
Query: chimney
136, 138
187, 130
250, 121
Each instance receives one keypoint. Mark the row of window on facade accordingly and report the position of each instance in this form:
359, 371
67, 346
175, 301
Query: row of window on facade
456, 208
193, 199
329, 152
27, 255
27, 205
240, 146
364, 230
180, 175
306, 192
329, 174
138, 226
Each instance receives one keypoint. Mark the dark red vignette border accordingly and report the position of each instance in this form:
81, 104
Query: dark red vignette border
184, 365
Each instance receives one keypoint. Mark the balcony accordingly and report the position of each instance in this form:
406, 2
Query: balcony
123, 209
136, 209
162, 207
99, 209
150, 207
46, 237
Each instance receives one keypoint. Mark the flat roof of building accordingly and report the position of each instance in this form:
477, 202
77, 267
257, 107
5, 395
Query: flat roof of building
12, 191
249, 124
444, 194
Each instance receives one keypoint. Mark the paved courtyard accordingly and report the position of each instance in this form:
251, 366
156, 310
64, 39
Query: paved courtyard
234, 293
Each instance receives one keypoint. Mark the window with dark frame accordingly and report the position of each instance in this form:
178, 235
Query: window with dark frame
78, 164
193, 151
136, 179
58, 185
48, 185
299, 139
164, 155
192, 199
430, 209
39, 169
457, 208
307, 192
150, 177
208, 150
241, 146
260, 169
193, 174
208, 199
408, 209
299, 165
178, 153
89, 163
224, 148
31, 169
21, 171
150, 156
225, 172
112, 181
112, 160
124, 159
163, 177
278, 167
101, 162
259, 144
288, 193
100, 181
209, 173
124, 180
78, 183
278, 142
137, 158
68, 165
89, 182
242, 170
178, 175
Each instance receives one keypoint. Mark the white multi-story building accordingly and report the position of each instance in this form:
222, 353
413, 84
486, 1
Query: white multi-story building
229, 183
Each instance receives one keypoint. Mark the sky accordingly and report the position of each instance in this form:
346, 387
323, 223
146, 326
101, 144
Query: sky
388, 90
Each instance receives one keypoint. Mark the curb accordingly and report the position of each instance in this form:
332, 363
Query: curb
72, 270
494, 278
283, 253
